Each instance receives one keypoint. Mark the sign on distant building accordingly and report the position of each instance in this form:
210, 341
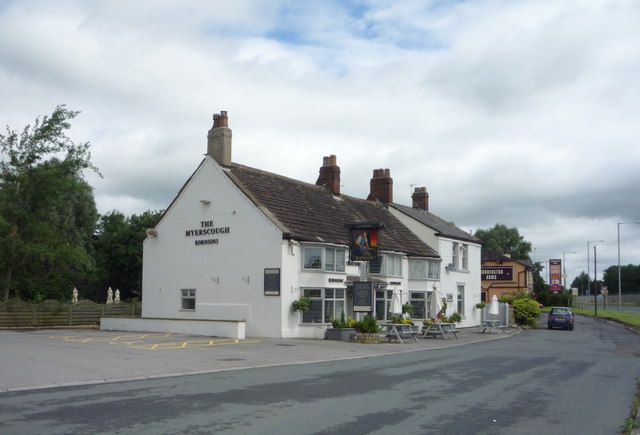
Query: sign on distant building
493, 273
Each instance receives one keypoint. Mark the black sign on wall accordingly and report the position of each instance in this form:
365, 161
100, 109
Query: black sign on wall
497, 273
363, 296
272, 281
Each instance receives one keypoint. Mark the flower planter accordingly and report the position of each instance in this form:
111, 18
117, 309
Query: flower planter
343, 334
362, 337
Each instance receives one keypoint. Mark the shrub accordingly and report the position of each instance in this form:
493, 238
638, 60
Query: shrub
367, 325
512, 297
481, 304
399, 320
303, 304
526, 311
342, 323
454, 318
407, 309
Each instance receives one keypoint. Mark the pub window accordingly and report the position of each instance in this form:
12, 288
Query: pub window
188, 299
387, 264
326, 304
319, 258
383, 304
419, 302
460, 299
464, 256
424, 269
454, 255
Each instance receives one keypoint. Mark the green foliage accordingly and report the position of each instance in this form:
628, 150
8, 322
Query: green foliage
481, 305
503, 240
342, 323
555, 300
526, 311
629, 278
400, 320
47, 210
367, 325
408, 309
512, 297
454, 318
118, 245
303, 304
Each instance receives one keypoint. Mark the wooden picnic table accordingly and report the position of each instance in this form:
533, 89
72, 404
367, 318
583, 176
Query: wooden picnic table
441, 329
399, 331
493, 325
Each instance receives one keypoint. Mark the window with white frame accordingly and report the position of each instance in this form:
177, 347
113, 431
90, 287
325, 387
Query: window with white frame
188, 299
383, 304
387, 264
326, 304
420, 268
460, 306
419, 302
454, 255
333, 304
321, 258
464, 256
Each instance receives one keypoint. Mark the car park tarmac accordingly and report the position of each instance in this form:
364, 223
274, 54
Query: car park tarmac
49, 358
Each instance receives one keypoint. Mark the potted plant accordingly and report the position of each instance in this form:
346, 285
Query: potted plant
480, 305
341, 329
367, 330
303, 304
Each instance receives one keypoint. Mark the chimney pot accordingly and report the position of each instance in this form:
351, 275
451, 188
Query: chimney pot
219, 139
381, 186
420, 198
329, 174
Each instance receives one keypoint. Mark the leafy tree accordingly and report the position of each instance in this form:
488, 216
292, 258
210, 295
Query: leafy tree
629, 281
47, 210
118, 244
503, 240
581, 282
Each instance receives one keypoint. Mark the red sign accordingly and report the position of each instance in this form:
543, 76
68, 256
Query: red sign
555, 276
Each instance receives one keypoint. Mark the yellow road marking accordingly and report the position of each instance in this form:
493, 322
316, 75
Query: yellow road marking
138, 341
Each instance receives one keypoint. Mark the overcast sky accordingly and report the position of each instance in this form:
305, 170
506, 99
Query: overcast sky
520, 112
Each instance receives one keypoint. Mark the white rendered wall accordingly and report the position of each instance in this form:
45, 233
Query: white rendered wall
228, 274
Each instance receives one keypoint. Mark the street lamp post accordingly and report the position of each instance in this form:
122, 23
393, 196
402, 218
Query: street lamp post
564, 270
588, 271
619, 274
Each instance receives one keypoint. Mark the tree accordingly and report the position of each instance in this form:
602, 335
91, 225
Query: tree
629, 281
581, 282
503, 240
118, 245
47, 210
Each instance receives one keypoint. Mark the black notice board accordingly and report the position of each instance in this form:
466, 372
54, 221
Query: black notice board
272, 281
363, 296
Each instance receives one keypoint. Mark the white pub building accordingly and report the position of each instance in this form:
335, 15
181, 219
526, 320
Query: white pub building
237, 246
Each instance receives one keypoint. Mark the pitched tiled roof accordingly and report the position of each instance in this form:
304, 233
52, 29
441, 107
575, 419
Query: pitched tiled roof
501, 258
306, 212
442, 227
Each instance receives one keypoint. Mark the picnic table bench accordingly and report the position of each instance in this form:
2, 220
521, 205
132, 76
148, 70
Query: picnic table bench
398, 332
440, 329
493, 325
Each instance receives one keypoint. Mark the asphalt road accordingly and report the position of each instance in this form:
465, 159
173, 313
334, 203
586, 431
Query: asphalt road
579, 382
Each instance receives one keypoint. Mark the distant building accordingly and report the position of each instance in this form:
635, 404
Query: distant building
502, 275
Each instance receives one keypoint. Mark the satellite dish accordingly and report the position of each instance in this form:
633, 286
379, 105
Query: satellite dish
152, 232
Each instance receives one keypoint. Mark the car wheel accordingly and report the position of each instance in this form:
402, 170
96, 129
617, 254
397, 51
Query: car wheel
548, 326
571, 329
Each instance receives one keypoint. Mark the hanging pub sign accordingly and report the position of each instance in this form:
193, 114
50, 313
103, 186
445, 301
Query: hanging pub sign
363, 240
362, 296
272, 281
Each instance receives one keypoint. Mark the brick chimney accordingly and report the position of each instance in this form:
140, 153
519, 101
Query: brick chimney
219, 139
420, 198
329, 174
381, 186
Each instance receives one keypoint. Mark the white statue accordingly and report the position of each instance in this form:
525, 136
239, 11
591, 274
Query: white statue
74, 299
109, 296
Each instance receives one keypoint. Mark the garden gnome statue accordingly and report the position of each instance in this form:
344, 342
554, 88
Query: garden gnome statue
117, 299
74, 299
109, 296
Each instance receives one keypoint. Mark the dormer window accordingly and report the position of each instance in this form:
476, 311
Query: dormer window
329, 259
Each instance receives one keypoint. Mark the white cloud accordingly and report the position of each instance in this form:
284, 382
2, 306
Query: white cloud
522, 113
